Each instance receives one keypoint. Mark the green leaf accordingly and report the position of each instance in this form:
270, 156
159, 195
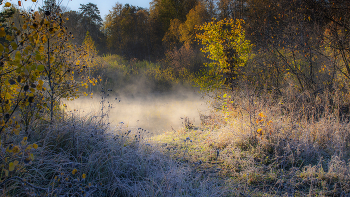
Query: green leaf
14, 46
33, 67
9, 38
18, 56
37, 56
41, 67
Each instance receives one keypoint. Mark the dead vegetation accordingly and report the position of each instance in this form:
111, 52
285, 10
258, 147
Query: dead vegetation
294, 145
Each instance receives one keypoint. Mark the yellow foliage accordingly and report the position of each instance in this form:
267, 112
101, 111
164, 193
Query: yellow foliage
11, 166
261, 115
225, 44
28, 148
7, 4
15, 149
16, 131
74, 171
31, 70
2, 32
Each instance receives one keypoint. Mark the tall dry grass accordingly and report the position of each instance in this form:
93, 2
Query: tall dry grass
266, 144
252, 144
80, 157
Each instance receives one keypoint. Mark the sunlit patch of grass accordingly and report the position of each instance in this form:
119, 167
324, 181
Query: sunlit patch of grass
267, 147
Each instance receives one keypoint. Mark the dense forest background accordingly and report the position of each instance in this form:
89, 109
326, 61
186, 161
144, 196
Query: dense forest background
303, 41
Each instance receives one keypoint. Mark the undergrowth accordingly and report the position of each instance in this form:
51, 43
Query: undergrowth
251, 144
291, 145
80, 157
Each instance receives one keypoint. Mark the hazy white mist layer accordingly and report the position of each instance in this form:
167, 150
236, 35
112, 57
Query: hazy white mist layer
153, 112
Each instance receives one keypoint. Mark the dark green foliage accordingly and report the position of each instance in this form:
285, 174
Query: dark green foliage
92, 13
88, 19
6, 14
50, 6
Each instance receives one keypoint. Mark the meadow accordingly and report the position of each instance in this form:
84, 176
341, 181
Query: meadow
245, 144
220, 107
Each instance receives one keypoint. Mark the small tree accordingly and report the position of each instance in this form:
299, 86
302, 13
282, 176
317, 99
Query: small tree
225, 45
91, 59
58, 61
38, 67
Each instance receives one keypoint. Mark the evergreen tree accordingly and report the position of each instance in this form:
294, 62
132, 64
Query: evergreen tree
50, 6
92, 13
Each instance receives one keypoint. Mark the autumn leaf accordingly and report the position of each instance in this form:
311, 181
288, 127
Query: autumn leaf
35, 146
38, 56
74, 171
7, 4
41, 67
2, 32
11, 166
14, 45
15, 149
18, 56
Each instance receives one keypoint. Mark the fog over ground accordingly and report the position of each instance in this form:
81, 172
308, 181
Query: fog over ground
155, 112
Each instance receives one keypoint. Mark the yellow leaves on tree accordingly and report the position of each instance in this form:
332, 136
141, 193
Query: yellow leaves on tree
225, 44
36, 71
89, 45
185, 32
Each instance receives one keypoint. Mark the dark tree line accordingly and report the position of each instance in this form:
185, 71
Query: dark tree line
295, 38
87, 19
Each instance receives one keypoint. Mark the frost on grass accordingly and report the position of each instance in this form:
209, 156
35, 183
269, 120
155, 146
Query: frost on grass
263, 146
79, 157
